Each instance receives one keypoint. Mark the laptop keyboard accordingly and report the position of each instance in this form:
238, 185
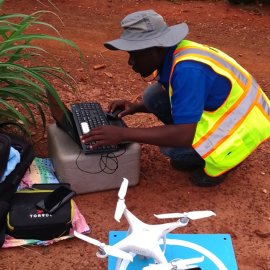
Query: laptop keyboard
88, 115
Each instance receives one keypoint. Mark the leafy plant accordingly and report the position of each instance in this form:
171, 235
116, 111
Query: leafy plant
23, 84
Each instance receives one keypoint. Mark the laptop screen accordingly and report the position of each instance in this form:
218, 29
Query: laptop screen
62, 120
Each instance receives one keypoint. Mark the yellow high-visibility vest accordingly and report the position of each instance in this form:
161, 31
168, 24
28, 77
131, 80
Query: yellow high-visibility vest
226, 136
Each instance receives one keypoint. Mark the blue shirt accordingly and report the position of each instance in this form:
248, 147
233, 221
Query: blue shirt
196, 87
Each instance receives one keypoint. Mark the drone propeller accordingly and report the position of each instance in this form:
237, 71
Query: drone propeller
176, 264
109, 250
191, 215
121, 206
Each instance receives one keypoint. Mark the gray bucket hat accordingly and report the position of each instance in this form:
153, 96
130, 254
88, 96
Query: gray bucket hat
145, 29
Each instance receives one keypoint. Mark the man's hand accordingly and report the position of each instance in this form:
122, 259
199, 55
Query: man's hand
103, 135
169, 135
127, 107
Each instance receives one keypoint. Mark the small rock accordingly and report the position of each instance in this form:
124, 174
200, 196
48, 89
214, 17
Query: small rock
262, 234
108, 74
263, 231
264, 190
96, 67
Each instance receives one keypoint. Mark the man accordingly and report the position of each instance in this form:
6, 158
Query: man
215, 113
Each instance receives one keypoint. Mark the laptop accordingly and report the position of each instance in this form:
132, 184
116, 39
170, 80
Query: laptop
71, 123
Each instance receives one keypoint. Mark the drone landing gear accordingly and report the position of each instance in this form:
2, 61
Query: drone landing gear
101, 256
101, 253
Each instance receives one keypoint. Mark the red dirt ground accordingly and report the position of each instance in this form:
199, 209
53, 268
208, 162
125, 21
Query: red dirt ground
241, 202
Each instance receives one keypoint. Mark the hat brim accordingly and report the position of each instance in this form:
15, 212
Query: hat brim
170, 38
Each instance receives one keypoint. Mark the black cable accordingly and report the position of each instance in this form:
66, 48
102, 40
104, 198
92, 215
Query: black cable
104, 160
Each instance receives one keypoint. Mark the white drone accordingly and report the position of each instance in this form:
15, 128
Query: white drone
143, 239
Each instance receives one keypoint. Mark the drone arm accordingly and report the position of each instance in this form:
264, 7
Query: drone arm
118, 264
158, 255
132, 220
174, 225
162, 229
123, 244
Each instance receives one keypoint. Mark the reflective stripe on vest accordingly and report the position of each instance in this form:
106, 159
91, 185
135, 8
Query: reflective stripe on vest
266, 108
229, 122
224, 138
225, 64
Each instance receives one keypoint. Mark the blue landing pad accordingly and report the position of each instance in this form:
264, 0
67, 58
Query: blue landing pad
217, 250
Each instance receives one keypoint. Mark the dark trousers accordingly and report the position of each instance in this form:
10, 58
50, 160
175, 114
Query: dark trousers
157, 101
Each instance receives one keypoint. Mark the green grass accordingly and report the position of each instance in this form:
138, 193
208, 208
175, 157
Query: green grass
23, 84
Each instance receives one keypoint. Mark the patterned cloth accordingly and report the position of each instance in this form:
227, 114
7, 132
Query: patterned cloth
41, 171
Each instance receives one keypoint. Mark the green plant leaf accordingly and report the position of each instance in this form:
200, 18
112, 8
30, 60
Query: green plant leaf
30, 37
13, 112
23, 85
16, 47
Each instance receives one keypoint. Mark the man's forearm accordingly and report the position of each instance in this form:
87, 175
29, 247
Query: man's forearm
139, 107
169, 135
